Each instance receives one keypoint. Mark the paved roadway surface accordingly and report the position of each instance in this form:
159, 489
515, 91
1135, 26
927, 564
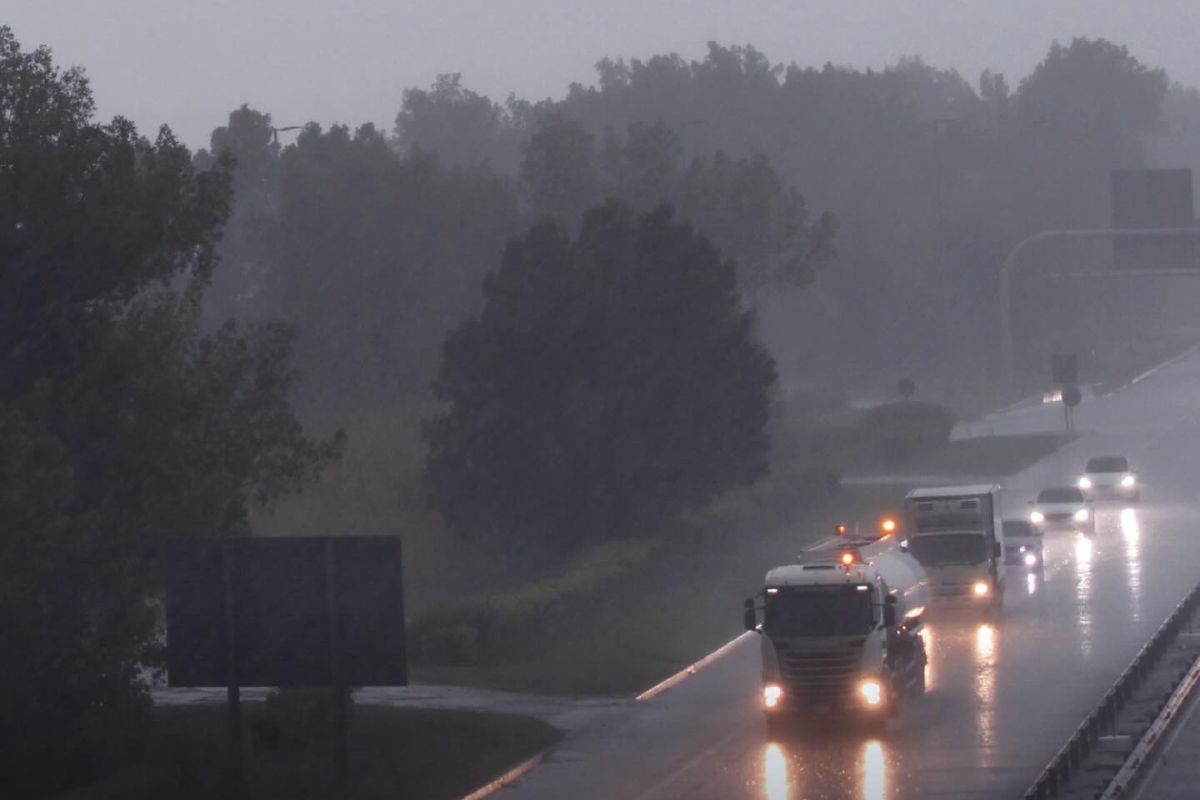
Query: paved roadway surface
1003, 697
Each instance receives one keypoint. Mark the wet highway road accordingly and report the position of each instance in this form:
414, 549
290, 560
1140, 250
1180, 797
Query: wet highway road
1003, 695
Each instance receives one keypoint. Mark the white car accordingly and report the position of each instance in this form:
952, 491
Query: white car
1063, 509
1022, 544
1110, 478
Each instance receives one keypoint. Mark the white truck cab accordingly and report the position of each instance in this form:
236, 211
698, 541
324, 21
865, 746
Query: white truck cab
840, 630
955, 532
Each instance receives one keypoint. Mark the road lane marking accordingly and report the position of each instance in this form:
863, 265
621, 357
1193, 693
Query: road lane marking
517, 772
692, 669
701, 757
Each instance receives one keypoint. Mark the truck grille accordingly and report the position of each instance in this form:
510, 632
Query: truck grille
1067, 517
820, 672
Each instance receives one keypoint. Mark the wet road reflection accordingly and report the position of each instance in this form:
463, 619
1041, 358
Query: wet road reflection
1085, 548
842, 764
1131, 532
874, 771
776, 781
930, 656
985, 682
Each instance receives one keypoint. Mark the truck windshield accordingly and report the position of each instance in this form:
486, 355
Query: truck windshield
948, 548
843, 610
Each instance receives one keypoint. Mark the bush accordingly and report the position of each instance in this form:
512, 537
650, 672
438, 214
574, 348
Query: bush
899, 431
486, 631
297, 717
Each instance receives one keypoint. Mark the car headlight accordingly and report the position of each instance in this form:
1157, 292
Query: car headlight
1037, 517
981, 588
871, 692
772, 695
1128, 481
1085, 482
1081, 515
1031, 559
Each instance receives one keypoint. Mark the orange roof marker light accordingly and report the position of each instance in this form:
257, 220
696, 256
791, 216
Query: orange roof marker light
841, 529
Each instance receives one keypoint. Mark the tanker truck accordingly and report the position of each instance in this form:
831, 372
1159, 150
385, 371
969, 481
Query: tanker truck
840, 631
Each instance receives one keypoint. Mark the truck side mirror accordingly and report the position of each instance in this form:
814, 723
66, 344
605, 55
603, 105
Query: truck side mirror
749, 618
889, 612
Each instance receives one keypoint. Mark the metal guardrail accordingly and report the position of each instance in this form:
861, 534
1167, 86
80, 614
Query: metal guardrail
1057, 774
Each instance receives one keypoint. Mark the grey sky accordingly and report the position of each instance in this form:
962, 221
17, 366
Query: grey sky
189, 63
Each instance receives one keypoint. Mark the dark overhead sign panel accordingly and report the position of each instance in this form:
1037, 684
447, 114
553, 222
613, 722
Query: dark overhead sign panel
286, 612
1153, 198
1064, 368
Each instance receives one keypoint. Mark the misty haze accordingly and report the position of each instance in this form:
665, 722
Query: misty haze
408, 399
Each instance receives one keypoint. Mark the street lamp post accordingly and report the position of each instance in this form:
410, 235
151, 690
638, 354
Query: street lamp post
1011, 263
276, 131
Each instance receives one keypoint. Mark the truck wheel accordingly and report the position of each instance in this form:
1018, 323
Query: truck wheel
997, 604
895, 702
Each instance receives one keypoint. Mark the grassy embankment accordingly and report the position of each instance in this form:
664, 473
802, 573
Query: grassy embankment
409, 753
603, 627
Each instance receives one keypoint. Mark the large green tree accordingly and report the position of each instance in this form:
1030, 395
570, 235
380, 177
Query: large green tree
121, 425
376, 256
609, 382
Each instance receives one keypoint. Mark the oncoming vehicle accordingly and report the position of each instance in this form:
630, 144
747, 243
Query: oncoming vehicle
1022, 544
840, 631
1063, 509
954, 533
1110, 478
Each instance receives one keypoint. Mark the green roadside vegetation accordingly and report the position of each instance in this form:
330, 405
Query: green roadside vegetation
416, 754
678, 600
993, 456
626, 614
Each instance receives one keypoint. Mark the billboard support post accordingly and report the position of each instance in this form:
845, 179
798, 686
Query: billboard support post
233, 693
341, 747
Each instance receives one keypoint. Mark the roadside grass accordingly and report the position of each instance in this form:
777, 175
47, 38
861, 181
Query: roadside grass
982, 456
993, 455
1129, 358
417, 754
686, 601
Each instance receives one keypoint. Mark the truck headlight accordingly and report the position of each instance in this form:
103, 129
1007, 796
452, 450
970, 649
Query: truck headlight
1128, 481
1081, 515
1037, 517
871, 692
1085, 482
1031, 559
981, 588
772, 695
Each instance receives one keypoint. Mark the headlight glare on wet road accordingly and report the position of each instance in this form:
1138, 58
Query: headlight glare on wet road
871, 692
